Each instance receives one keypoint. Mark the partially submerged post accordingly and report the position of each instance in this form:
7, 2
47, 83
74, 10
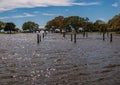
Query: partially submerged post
71, 37
104, 31
103, 36
74, 37
38, 38
111, 37
86, 34
43, 35
64, 34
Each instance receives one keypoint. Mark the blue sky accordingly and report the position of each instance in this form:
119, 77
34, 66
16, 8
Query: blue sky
41, 11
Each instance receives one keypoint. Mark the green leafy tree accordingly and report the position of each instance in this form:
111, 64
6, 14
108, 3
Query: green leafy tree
56, 23
17, 29
10, 26
67, 23
85, 23
89, 26
75, 22
30, 26
114, 23
99, 25
72, 21
2, 25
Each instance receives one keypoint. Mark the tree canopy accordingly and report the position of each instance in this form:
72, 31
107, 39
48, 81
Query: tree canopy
76, 22
57, 22
30, 26
10, 26
2, 25
67, 23
114, 23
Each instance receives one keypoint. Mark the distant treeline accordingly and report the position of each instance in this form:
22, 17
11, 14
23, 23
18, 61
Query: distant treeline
76, 22
67, 24
10, 27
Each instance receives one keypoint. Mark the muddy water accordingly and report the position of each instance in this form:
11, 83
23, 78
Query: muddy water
58, 61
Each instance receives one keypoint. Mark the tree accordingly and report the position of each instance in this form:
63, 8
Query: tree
99, 25
72, 21
90, 26
10, 26
114, 23
30, 26
56, 23
2, 25
17, 29
68, 23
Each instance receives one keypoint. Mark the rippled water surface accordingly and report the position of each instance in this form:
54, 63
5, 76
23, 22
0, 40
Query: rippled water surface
58, 61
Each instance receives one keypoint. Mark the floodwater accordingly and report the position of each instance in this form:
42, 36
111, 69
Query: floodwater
58, 61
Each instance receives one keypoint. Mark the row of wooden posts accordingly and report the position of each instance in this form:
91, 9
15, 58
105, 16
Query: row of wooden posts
85, 34
73, 38
39, 37
111, 37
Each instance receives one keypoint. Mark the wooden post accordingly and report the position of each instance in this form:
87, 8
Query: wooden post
86, 34
38, 38
103, 36
75, 38
64, 34
43, 35
71, 37
111, 37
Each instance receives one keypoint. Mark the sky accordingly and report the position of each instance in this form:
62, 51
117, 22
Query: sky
41, 11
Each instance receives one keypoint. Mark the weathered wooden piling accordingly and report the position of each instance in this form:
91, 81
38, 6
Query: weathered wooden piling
111, 37
86, 34
75, 38
64, 34
38, 40
103, 36
71, 37
43, 35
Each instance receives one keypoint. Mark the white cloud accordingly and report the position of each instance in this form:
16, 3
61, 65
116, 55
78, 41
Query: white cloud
18, 16
23, 16
115, 4
5, 17
12, 4
29, 15
87, 4
48, 14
